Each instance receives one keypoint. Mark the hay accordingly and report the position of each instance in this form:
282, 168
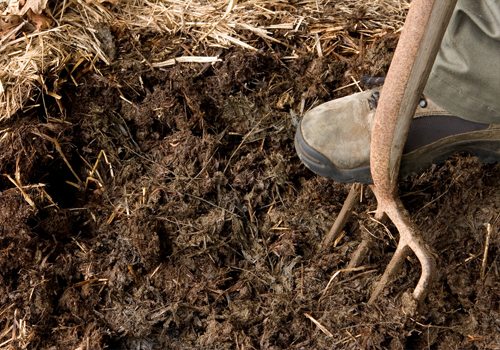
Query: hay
29, 54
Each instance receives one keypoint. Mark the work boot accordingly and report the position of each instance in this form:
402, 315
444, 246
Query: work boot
333, 139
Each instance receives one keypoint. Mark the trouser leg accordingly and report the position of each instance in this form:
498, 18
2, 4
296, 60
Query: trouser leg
465, 79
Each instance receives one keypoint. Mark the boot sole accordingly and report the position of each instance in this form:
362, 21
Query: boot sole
483, 144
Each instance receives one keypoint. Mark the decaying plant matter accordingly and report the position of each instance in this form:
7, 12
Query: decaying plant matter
150, 195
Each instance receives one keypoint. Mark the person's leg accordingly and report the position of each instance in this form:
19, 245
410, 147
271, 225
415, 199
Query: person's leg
461, 112
465, 79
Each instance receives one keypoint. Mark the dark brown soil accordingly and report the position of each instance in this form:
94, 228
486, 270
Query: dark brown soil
189, 222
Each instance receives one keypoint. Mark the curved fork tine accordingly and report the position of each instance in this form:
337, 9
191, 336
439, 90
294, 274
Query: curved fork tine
418, 45
402, 251
343, 216
410, 240
410, 236
428, 264
360, 252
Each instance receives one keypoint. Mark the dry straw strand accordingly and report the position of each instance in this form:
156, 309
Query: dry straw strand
28, 54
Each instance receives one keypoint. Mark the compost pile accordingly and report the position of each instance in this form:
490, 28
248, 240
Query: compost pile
151, 197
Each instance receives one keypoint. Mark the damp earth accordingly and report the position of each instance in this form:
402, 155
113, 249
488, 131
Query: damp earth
168, 210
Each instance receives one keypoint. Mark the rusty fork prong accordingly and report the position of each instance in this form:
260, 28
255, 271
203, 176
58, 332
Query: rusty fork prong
343, 216
413, 59
409, 240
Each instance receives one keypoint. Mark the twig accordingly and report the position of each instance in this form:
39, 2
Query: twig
319, 325
26, 197
338, 272
250, 133
486, 248
61, 153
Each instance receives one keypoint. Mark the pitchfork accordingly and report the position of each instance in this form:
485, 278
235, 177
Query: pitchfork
415, 53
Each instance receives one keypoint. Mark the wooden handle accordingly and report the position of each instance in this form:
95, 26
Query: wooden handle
415, 53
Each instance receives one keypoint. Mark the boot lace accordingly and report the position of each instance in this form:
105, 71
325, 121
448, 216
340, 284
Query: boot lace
375, 96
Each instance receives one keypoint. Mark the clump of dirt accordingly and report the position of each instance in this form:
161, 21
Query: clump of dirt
176, 215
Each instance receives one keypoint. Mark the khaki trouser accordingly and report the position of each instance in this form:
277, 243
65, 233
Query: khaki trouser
465, 79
